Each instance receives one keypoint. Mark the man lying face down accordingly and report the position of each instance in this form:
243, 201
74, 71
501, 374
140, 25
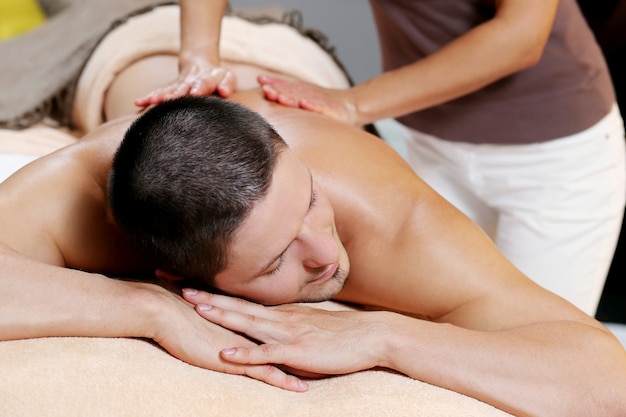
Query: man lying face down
212, 191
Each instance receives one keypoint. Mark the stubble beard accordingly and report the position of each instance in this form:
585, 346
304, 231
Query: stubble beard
331, 288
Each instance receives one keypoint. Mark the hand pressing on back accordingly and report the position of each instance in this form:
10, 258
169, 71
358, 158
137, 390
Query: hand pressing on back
338, 104
196, 78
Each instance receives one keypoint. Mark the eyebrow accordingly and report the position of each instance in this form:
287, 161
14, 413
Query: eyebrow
274, 259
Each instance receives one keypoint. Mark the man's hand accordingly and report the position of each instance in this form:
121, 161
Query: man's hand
337, 104
198, 342
300, 337
197, 78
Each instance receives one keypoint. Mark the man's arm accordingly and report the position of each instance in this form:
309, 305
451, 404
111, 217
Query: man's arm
546, 369
39, 300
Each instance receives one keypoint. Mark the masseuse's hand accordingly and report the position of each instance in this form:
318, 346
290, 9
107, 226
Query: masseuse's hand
300, 337
196, 341
338, 104
196, 78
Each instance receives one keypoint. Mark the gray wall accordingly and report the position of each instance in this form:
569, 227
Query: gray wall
347, 23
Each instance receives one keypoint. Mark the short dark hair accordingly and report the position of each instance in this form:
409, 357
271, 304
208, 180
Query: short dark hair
186, 175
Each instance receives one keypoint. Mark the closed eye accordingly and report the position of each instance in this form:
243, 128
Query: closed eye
280, 264
313, 199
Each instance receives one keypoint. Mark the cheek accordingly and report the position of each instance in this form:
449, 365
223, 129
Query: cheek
276, 289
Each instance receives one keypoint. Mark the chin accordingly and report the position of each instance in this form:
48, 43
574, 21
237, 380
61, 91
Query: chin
329, 290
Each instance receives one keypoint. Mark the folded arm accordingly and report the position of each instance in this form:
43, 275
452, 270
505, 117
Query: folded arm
553, 368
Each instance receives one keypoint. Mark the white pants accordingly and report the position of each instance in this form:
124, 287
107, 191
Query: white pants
555, 209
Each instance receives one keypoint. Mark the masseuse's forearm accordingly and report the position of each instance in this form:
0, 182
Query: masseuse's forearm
513, 40
200, 30
39, 300
549, 369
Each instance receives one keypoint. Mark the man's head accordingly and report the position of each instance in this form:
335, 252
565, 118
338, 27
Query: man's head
210, 190
186, 175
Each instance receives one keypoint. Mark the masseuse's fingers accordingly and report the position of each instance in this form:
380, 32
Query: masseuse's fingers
337, 104
194, 80
285, 92
206, 81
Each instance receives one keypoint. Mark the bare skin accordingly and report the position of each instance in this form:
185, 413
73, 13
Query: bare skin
489, 332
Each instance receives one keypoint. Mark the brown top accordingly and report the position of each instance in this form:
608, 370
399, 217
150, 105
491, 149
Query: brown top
568, 91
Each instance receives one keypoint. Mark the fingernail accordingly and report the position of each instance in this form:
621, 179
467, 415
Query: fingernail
204, 307
190, 291
303, 385
228, 352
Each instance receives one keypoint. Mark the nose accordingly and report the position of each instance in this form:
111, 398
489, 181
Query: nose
319, 247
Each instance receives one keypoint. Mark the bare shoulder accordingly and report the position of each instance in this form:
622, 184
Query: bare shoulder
54, 209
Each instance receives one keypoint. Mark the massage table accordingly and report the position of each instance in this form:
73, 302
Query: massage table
83, 376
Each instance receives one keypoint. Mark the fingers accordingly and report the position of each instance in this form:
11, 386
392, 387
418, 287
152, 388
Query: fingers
162, 94
272, 91
269, 92
227, 85
222, 301
273, 376
263, 329
265, 354
229, 303
310, 106
195, 82
272, 94
268, 79
262, 354
226, 302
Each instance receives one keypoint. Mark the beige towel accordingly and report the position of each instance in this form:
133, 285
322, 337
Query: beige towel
37, 140
67, 377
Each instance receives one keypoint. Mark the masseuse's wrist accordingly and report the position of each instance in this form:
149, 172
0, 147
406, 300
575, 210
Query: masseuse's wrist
356, 100
198, 58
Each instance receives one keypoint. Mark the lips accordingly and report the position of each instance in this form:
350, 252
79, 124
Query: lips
330, 271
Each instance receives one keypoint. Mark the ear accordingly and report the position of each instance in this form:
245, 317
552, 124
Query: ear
168, 278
